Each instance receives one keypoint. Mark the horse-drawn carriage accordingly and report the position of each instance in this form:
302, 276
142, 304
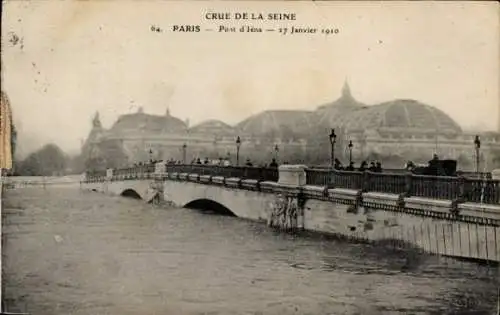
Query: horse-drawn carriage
437, 167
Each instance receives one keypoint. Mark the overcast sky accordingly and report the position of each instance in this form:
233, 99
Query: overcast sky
74, 58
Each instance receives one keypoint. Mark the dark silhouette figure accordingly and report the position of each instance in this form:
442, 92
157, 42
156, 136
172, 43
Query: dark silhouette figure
198, 161
273, 163
372, 167
410, 166
378, 167
363, 166
350, 168
337, 165
248, 163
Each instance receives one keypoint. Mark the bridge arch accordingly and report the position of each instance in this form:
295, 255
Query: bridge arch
209, 206
130, 193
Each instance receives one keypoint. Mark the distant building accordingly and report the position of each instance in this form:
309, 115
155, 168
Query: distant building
400, 129
7, 136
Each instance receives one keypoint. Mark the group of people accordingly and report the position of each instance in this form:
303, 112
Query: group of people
435, 165
226, 162
207, 161
375, 166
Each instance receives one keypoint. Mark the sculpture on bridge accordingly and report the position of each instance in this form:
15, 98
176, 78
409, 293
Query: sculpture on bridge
284, 213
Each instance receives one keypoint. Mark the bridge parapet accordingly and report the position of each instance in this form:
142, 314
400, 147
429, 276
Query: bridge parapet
294, 175
433, 187
495, 174
160, 168
109, 174
243, 172
459, 189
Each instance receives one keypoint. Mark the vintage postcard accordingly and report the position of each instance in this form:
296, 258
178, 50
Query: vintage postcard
250, 157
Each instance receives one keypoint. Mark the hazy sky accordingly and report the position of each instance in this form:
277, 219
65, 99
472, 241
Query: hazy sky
74, 58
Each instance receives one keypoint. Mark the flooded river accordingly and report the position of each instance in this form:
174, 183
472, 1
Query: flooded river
71, 252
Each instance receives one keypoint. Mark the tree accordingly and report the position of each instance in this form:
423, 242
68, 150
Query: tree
104, 155
13, 141
13, 138
48, 161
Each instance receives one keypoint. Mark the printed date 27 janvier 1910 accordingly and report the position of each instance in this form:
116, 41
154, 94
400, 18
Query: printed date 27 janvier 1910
307, 30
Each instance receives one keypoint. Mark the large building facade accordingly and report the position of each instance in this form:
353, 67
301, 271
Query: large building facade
7, 133
393, 132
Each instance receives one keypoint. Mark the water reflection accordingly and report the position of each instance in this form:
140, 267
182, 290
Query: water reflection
72, 252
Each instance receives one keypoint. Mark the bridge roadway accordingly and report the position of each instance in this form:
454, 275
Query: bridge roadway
415, 213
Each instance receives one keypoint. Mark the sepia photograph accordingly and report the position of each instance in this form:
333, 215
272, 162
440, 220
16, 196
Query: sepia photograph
250, 157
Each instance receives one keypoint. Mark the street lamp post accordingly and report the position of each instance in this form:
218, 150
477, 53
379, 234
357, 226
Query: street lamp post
184, 147
350, 151
238, 145
216, 155
362, 144
477, 144
333, 140
276, 151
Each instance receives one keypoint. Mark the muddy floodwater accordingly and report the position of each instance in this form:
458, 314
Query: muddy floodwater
66, 251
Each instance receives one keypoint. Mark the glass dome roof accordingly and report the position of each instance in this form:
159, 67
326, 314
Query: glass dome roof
401, 113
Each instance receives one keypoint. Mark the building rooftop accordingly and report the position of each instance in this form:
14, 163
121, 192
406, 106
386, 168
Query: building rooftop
215, 127
143, 122
400, 113
278, 121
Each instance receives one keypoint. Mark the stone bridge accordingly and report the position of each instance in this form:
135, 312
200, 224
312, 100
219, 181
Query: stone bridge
404, 217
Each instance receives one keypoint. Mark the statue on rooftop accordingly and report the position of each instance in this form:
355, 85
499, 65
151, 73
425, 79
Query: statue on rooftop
96, 122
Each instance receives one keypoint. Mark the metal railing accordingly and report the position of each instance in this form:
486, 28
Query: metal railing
95, 176
434, 187
243, 172
147, 171
468, 174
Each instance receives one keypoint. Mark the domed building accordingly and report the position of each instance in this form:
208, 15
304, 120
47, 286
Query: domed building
401, 129
278, 123
396, 130
214, 127
410, 115
146, 123
328, 114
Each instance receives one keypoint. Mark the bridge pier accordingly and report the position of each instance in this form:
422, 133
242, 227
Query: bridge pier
286, 212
